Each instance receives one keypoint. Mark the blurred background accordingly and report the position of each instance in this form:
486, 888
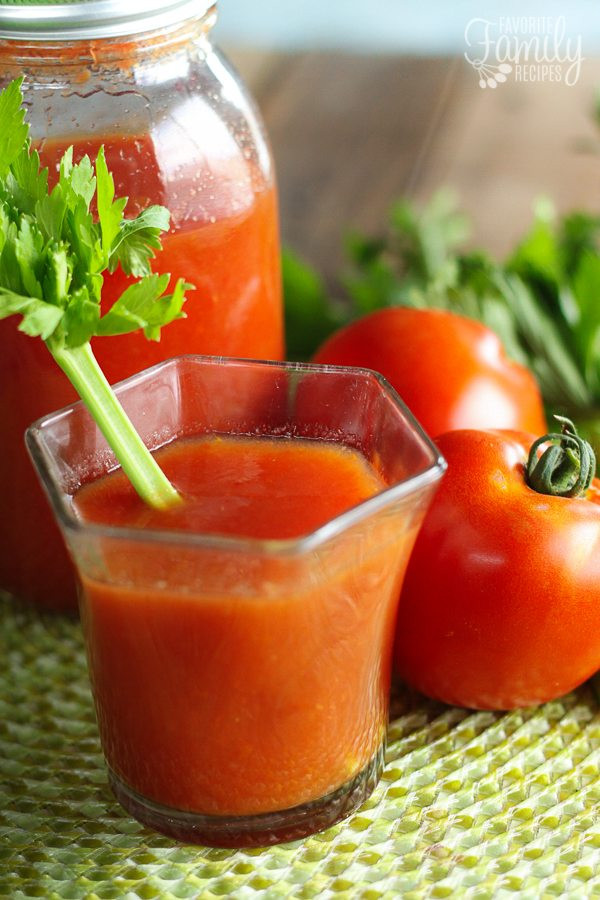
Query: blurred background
369, 102
392, 26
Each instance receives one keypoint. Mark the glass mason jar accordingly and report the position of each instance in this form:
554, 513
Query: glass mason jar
142, 79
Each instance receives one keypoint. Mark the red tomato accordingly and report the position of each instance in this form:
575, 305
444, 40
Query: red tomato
501, 603
450, 371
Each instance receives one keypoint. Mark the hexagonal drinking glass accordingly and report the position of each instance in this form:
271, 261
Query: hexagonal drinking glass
241, 685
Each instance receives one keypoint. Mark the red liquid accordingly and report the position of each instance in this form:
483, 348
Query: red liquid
237, 684
224, 240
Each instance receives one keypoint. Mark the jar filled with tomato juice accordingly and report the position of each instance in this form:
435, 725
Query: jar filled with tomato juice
143, 79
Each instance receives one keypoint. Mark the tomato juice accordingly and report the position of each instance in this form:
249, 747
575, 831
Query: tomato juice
240, 643
223, 239
241, 683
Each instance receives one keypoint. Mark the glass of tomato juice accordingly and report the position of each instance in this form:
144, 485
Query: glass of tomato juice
239, 644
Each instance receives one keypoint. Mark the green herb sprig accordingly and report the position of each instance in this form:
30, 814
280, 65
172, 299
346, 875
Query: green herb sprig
53, 254
543, 301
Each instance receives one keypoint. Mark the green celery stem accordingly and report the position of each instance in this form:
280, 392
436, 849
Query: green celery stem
81, 368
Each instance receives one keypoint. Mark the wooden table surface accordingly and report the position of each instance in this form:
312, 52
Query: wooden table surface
352, 133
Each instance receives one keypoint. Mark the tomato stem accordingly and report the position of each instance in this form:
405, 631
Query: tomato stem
565, 468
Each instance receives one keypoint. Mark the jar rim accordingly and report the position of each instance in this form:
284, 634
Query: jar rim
74, 20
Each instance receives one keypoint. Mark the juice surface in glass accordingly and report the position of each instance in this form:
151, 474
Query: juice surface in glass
224, 240
271, 692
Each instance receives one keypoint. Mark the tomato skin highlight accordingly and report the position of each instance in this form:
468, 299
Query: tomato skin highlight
450, 371
500, 607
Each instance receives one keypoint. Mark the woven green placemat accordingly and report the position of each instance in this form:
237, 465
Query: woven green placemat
472, 804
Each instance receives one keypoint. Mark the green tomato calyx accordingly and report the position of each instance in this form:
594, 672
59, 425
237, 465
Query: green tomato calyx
566, 468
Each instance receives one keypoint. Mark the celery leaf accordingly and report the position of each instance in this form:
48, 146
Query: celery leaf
144, 305
39, 319
54, 250
14, 131
138, 238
